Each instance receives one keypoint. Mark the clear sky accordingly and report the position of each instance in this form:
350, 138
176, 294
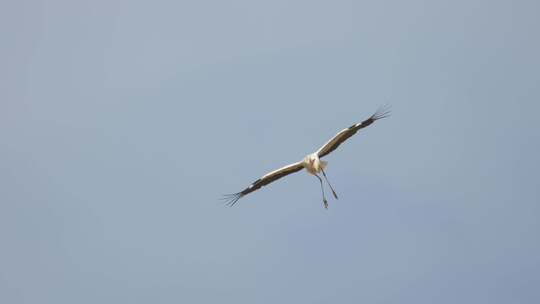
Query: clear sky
122, 123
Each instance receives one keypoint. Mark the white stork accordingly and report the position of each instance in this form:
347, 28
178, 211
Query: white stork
311, 162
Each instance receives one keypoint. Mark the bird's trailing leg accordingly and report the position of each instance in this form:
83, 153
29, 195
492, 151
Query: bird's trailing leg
333, 192
325, 202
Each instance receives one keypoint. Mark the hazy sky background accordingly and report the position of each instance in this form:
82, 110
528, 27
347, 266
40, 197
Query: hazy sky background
122, 123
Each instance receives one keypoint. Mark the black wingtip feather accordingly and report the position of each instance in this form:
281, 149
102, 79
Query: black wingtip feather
383, 112
231, 199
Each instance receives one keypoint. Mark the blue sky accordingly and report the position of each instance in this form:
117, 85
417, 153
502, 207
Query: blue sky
122, 123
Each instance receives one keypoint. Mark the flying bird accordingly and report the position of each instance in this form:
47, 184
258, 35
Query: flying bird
311, 162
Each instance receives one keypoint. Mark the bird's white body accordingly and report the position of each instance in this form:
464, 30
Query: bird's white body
313, 164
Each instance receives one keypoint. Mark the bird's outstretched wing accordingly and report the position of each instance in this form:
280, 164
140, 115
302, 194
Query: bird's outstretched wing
231, 199
344, 134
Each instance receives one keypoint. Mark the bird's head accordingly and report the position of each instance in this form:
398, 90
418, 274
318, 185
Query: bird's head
310, 159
